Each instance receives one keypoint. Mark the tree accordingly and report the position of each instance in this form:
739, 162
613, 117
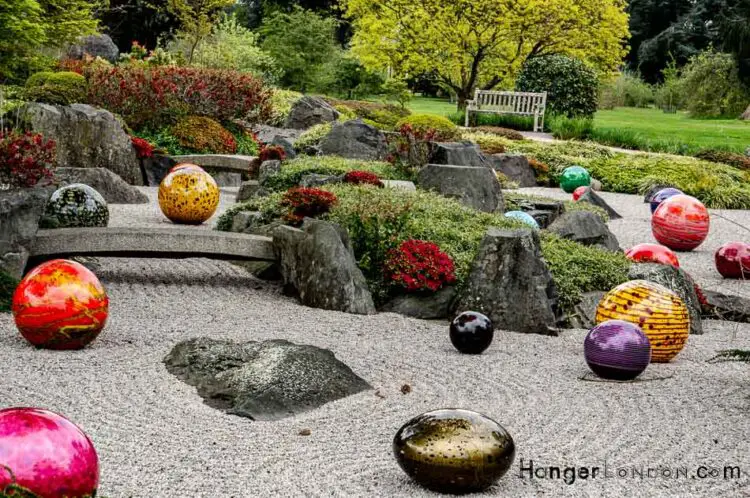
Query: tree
197, 19
127, 21
470, 44
301, 42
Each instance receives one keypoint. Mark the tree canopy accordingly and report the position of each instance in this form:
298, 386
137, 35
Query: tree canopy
467, 44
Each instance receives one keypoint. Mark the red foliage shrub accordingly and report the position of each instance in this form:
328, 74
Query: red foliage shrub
155, 96
71, 65
272, 153
25, 158
417, 265
143, 147
362, 177
306, 202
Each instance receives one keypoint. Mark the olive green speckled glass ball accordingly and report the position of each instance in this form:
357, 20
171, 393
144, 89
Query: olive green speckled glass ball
454, 451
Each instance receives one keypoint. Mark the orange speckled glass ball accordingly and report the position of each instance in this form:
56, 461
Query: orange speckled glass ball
658, 311
188, 196
60, 304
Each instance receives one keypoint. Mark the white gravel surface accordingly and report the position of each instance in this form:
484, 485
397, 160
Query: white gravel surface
156, 438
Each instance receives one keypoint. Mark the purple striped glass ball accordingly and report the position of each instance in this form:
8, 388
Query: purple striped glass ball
662, 195
617, 350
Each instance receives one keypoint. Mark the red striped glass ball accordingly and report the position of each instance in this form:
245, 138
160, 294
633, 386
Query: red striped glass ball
681, 223
652, 253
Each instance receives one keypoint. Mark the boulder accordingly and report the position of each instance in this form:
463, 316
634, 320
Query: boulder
355, 140
95, 46
459, 154
516, 167
317, 263
310, 111
511, 284
156, 167
544, 212
596, 185
285, 144
317, 180
248, 190
20, 213
86, 137
113, 188
676, 280
427, 307
225, 178
583, 315
586, 228
593, 198
719, 306
266, 380
267, 170
475, 187
246, 221
266, 133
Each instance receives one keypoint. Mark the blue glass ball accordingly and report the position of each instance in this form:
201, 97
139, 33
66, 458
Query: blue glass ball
525, 218
662, 195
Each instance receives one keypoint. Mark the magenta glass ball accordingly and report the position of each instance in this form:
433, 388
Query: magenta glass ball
617, 350
46, 454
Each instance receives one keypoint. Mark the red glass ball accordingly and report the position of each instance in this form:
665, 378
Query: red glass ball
680, 223
46, 454
60, 305
577, 193
652, 253
733, 260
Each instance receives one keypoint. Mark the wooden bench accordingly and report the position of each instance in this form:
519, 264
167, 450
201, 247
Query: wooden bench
518, 103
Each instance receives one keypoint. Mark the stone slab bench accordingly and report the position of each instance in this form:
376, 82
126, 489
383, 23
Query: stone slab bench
231, 163
167, 242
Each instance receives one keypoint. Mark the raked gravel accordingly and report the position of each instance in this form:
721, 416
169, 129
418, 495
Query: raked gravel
155, 437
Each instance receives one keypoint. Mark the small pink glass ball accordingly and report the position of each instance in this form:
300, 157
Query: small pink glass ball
577, 193
46, 454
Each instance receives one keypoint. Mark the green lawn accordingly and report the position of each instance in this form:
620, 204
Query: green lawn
425, 105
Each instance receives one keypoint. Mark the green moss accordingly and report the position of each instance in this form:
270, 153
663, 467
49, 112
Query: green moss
8, 286
61, 88
313, 136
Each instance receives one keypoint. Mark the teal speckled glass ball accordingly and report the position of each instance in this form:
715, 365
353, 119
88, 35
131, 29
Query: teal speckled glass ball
574, 177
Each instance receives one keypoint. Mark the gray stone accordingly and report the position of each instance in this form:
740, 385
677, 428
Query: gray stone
114, 189
593, 198
155, 168
511, 284
719, 306
95, 46
316, 180
263, 270
86, 137
285, 144
596, 185
676, 280
586, 228
246, 221
162, 242
400, 184
232, 163
474, 187
653, 190
583, 315
310, 111
266, 380
318, 265
248, 190
20, 212
267, 133
355, 140
544, 212
427, 307
267, 170
225, 178
516, 167
459, 154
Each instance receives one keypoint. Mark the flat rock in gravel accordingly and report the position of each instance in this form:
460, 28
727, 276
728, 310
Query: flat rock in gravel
676, 280
266, 380
318, 264
593, 198
355, 140
114, 189
510, 283
586, 228
428, 307
475, 187
722, 306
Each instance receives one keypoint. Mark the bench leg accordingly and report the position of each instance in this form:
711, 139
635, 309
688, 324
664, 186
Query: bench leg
467, 118
536, 122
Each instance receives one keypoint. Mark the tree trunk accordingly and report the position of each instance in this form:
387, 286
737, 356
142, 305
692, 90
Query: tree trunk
463, 97
746, 115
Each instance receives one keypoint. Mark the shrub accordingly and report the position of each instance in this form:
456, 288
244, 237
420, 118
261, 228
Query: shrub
627, 90
25, 159
419, 266
293, 171
731, 158
204, 135
56, 88
8, 286
502, 132
489, 143
437, 128
711, 80
281, 105
565, 128
541, 171
359, 177
247, 143
143, 148
385, 115
312, 136
306, 203
272, 153
571, 86
154, 97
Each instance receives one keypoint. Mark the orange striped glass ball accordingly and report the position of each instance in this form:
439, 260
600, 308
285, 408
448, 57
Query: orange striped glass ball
188, 196
658, 311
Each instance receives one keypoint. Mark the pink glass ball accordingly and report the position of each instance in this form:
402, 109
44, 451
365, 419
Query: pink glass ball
733, 260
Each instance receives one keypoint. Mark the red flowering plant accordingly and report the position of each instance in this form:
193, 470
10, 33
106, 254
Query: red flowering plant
306, 203
419, 266
25, 158
143, 147
272, 153
411, 149
362, 178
